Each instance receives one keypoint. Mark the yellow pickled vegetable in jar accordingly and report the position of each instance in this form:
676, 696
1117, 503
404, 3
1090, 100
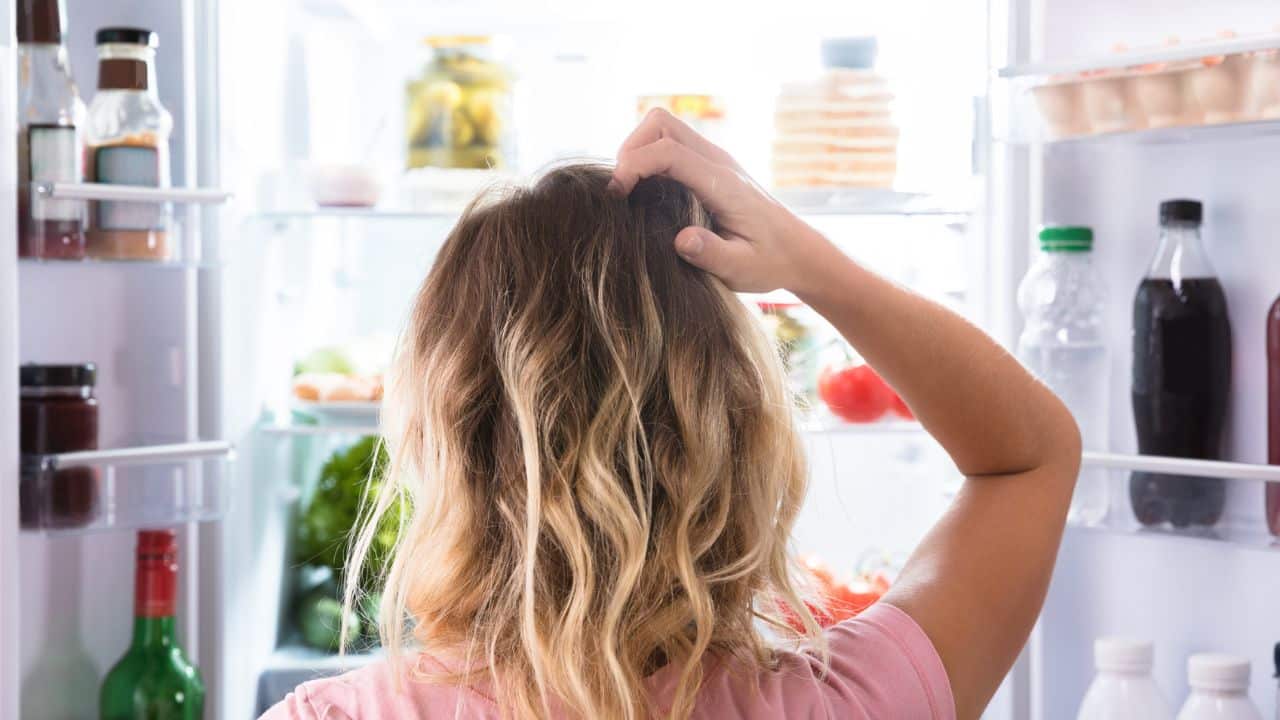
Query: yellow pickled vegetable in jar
458, 109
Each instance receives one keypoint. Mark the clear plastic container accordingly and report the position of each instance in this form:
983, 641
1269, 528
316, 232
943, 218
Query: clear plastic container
1062, 299
1219, 689
1226, 79
1123, 688
128, 145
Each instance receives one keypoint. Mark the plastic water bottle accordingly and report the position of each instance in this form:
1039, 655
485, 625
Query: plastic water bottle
1123, 688
1061, 300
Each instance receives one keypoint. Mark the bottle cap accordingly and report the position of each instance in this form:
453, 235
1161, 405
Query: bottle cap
157, 542
1181, 211
853, 53
1215, 671
1066, 238
40, 21
1122, 654
32, 375
127, 36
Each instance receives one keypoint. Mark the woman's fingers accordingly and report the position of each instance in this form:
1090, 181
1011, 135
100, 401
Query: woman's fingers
709, 181
728, 259
658, 124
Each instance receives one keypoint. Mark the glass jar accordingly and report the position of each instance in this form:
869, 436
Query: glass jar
704, 113
50, 135
128, 145
58, 413
791, 325
459, 109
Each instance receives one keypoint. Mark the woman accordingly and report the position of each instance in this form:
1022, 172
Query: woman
596, 445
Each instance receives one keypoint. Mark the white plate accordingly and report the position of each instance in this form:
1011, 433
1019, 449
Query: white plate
345, 410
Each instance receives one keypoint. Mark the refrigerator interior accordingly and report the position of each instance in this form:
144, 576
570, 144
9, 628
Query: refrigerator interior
1186, 594
297, 278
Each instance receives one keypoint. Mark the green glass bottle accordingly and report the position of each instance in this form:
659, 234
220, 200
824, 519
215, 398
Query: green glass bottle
154, 680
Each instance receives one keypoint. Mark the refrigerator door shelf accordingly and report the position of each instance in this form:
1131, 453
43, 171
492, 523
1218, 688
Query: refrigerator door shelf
141, 487
1160, 101
1240, 521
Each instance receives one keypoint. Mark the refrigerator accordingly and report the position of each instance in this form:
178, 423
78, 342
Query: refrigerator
201, 431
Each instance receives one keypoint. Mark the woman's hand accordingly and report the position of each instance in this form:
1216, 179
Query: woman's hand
760, 245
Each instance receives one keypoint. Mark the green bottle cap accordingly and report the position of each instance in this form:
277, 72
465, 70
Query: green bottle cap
1066, 238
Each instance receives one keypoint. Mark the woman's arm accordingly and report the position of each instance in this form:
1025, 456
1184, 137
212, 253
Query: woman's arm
978, 580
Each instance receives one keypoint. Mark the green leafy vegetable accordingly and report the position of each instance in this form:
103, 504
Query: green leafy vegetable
324, 529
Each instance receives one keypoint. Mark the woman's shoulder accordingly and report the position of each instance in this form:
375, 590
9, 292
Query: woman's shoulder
372, 693
881, 665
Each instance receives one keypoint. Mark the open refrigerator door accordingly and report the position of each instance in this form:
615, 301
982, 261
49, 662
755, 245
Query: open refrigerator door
1114, 116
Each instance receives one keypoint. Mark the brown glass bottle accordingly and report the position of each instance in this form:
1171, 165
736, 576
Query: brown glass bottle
50, 140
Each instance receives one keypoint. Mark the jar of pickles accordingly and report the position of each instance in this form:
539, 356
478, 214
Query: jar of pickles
458, 110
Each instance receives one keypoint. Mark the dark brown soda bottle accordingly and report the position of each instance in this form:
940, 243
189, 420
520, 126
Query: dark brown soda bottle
1181, 373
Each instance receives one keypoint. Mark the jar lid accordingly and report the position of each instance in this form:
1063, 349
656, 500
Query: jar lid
1216, 671
853, 53
127, 36
449, 41
1122, 654
32, 375
40, 21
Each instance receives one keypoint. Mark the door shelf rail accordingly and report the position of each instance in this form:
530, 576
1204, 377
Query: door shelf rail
123, 488
1241, 522
1183, 466
130, 193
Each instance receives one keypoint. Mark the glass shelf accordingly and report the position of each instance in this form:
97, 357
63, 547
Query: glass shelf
819, 426
305, 430
292, 665
852, 202
150, 486
1242, 522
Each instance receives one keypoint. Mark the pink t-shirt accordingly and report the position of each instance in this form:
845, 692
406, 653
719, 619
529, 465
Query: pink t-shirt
882, 666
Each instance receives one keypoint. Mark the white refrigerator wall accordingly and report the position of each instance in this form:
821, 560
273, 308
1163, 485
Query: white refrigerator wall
1186, 596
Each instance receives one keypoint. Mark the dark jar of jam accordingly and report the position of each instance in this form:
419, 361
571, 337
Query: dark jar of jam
58, 414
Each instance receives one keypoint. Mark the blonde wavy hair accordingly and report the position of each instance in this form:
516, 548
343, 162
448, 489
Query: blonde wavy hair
594, 448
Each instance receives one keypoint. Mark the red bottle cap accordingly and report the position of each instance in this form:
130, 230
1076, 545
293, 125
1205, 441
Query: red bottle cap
156, 583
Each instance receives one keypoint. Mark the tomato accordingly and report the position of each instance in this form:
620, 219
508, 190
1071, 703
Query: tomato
854, 393
900, 408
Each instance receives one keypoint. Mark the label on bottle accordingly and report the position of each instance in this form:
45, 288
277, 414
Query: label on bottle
53, 156
137, 165
156, 584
